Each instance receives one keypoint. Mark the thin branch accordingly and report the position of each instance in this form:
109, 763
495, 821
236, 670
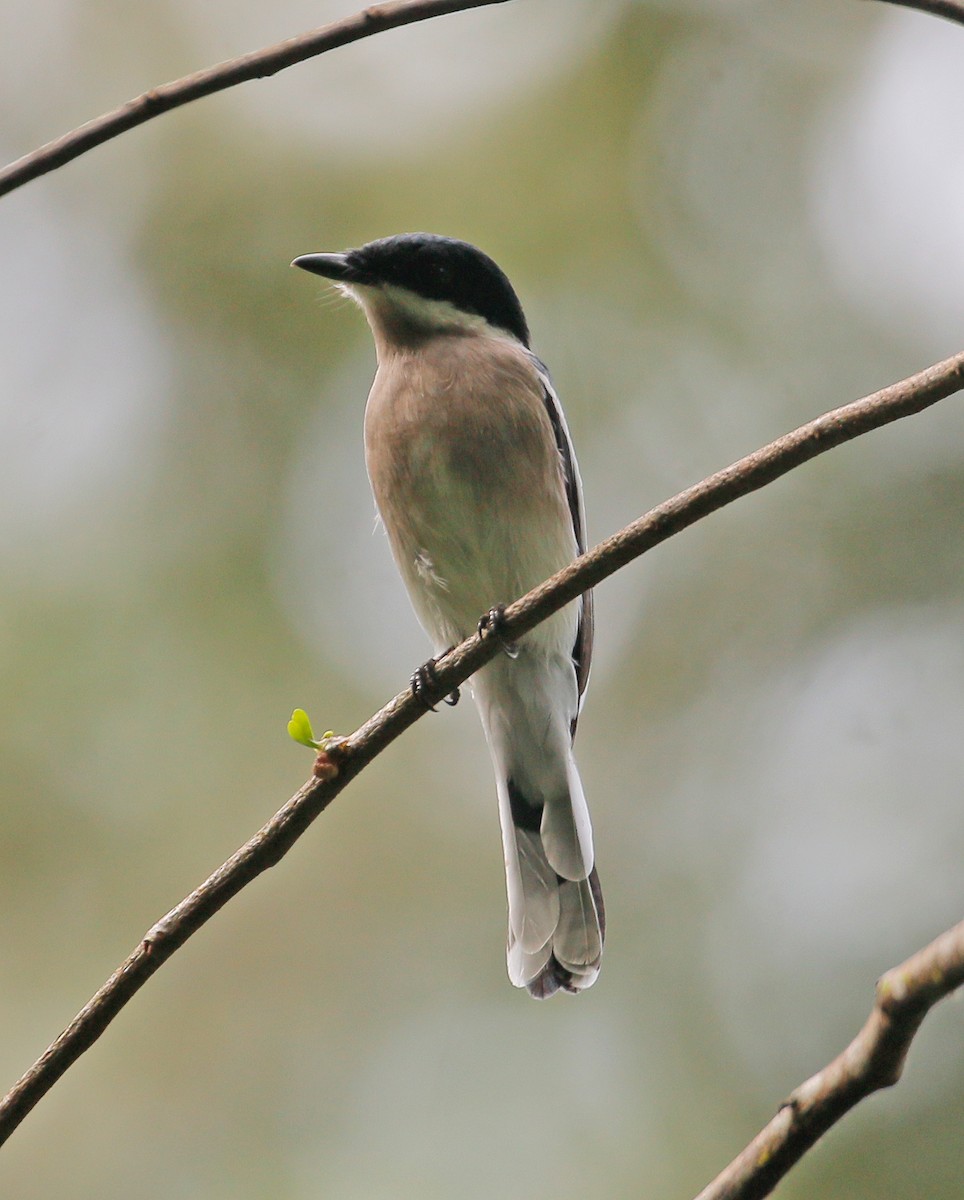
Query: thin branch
256, 65
873, 1060
952, 10
262, 63
357, 751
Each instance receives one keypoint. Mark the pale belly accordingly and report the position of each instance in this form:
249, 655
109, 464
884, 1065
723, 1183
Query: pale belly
463, 553
471, 494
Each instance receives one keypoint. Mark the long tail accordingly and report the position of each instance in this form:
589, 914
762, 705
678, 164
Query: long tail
556, 916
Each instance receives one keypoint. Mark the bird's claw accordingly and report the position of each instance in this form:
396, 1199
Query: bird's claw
425, 679
492, 624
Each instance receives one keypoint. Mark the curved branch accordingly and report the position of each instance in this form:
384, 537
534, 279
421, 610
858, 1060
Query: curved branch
355, 752
952, 10
873, 1060
256, 65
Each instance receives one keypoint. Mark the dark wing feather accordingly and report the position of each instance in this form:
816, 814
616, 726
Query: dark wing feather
582, 649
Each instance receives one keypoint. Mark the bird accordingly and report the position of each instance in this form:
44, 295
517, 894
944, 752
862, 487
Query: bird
475, 481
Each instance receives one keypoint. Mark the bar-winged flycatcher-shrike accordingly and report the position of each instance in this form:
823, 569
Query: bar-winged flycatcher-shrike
476, 483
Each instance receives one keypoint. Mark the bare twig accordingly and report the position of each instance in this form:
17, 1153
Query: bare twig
355, 752
256, 65
262, 63
873, 1060
952, 10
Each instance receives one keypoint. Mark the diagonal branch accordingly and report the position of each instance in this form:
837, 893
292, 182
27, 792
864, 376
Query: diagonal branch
256, 65
354, 753
262, 63
953, 10
873, 1060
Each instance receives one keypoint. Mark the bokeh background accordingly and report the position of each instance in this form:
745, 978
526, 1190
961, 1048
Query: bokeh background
723, 218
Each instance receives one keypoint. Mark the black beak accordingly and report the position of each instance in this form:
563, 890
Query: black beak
332, 266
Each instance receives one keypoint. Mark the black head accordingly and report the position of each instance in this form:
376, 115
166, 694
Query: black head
435, 268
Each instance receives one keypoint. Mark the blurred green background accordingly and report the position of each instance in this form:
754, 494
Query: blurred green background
748, 213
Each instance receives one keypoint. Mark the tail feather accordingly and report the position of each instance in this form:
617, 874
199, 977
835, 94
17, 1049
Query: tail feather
571, 961
566, 829
579, 933
535, 915
556, 924
524, 966
556, 915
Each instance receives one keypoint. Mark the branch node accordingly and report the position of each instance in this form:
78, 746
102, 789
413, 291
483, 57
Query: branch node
151, 100
161, 929
325, 768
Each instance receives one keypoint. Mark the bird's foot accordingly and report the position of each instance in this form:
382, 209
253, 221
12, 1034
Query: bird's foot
492, 624
425, 679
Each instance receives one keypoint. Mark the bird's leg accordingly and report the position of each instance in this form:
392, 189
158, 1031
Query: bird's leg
424, 678
492, 624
